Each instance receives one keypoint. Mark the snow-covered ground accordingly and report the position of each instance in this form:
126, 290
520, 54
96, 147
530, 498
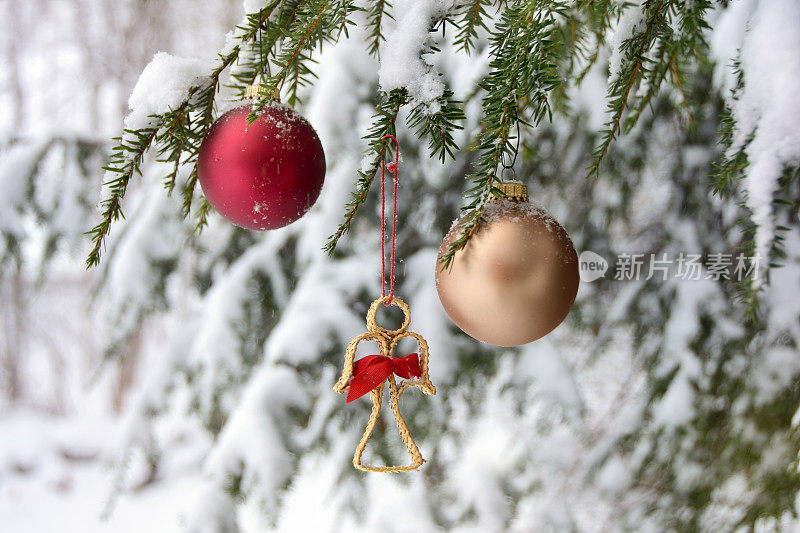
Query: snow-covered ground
54, 480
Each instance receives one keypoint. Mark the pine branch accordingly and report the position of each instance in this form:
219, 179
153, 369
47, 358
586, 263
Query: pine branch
654, 77
271, 32
316, 22
173, 141
472, 20
125, 161
525, 52
439, 126
649, 55
633, 49
597, 19
672, 49
375, 14
204, 105
732, 166
383, 124
180, 136
202, 215
435, 120
187, 193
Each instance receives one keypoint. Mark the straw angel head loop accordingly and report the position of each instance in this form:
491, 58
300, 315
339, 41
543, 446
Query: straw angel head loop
414, 366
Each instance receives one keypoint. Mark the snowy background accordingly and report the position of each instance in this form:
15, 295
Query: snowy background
185, 383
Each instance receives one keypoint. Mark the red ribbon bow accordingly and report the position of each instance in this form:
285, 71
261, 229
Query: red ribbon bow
372, 370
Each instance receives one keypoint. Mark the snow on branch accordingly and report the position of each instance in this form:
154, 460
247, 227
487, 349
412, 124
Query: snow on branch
165, 84
402, 65
766, 111
170, 88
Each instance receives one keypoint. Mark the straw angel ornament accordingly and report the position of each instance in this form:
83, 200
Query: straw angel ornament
369, 374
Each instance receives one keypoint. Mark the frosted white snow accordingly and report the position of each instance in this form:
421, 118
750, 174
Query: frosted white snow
164, 84
213, 512
401, 63
131, 271
215, 348
317, 313
676, 407
553, 380
768, 107
253, 442
16, 168
784, 304
727, 38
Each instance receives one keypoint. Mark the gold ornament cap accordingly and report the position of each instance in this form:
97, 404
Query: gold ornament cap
513, 190
253, 91
259, 91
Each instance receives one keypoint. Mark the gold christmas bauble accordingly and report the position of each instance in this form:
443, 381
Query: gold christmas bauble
517, 276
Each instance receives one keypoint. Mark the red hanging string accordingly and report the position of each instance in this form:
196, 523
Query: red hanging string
392, 167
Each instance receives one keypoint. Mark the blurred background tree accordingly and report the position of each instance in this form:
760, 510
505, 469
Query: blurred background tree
202, 370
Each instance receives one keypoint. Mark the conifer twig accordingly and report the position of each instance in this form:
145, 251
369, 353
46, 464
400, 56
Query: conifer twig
525, 52
634, 49
383, 124
316, 21
473, 19
132, 146
375, 14
125, 161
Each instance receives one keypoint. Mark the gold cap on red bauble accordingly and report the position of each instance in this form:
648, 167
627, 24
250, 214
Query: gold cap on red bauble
517, 276
259, 91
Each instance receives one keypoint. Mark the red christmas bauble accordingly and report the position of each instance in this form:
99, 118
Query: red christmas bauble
264, 175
